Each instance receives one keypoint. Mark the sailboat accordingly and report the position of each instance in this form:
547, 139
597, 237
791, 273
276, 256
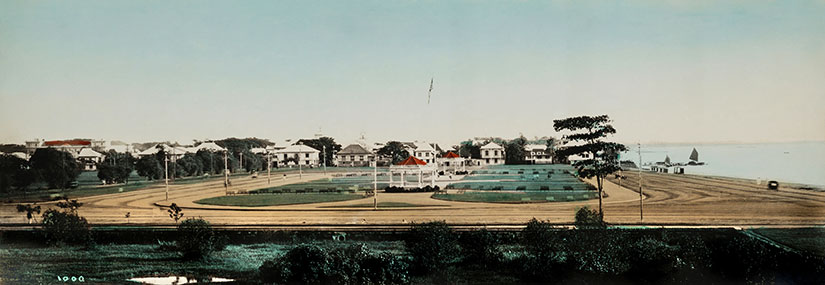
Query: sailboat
667, 160
694, 158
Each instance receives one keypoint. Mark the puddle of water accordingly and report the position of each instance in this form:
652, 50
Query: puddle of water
172, 280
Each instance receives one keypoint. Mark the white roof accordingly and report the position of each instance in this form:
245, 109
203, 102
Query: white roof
88, 152
21, 155
167, 148
491, 145
258, 150
423, 146
535, 147
298, 148
209, 146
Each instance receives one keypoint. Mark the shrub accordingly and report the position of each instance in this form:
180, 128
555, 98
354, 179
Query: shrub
652, 259
65, 227
547, 253
538, 237
432, 245
589, 218
481, 247
347, 265
197, 240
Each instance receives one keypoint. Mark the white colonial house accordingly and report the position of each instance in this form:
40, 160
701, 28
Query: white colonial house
425, 152
537, 154
89, 158
491, 154
299, 153
209, 146
354, 155
174, 153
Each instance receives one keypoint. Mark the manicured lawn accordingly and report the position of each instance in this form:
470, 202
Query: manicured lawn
805, 239
276, 199
385, 204
517, 197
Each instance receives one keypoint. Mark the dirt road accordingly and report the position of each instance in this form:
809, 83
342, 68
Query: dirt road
670, 199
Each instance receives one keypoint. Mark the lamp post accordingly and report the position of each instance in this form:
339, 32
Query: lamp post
166, 174
641, 209
225, 171
269, 168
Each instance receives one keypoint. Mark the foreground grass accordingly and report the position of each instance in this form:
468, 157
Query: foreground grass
113, 264
517, 197
805, 239
276, 199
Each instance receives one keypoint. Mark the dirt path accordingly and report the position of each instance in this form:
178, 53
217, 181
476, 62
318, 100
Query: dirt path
669, 199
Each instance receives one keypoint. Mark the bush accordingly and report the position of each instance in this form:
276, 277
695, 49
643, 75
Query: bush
197, 240
589, 218
546, 253
432, 245
652, 259
348, 265
65, 228
481, 247
538, 238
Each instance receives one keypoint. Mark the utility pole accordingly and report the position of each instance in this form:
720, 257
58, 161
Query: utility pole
166, 175
300, 171
375, 186
269, 168
641, 209
225, 171
325, 159
240, 163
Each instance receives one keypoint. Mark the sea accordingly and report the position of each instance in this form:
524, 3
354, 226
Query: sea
798, 162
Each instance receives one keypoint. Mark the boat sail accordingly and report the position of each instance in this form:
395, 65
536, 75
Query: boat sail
667, 160
694, 155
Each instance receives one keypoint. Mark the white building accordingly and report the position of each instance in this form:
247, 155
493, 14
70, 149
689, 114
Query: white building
354, 155
425, 152
491, 154
537, 154
174, 152
302, 154
89, 158
209, 146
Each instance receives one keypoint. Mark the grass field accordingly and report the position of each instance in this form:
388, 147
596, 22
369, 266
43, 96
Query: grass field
114, 263
518, 197
385, 204
806, 239
276, 199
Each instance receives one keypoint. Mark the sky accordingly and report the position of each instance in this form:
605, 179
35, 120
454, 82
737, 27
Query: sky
664, 71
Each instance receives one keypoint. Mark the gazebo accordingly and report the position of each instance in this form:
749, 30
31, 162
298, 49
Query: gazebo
452, 159
414, 166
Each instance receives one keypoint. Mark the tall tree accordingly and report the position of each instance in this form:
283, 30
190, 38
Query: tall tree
149, 167
55, 167
468, 149
14, 173
319, 144
395, 151
116, 167
552, 144
514, 151
599, 156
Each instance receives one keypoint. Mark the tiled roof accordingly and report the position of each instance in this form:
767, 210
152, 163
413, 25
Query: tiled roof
412, 161
67, 142
354, 149
451, 154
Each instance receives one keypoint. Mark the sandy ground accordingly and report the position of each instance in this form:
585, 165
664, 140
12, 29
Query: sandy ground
669, 199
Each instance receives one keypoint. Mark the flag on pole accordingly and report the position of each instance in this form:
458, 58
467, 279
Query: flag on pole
430, 91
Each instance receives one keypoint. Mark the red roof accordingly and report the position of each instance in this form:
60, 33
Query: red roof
451, 154
67, 142
412, 161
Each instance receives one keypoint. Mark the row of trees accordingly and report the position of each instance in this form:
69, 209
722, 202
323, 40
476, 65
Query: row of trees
53, 167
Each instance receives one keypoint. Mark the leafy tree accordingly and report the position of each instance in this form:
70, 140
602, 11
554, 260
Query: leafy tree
587, 218
69, 206
236, 145
600, 157
514, 151
468, 149
55, 167
197, 239
432, 245
116, 167
552, 145
30, 211
319, 144
65, 227
149, 167
15, 173
395, 151
175, 212
190, 164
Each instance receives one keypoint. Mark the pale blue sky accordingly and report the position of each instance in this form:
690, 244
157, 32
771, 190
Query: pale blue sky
675, 71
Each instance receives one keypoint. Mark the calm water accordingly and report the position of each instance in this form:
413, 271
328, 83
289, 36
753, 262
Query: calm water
784, 162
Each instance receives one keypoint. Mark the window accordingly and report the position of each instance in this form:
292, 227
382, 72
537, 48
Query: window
487, 153
306, 155
361, 157
351, 157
